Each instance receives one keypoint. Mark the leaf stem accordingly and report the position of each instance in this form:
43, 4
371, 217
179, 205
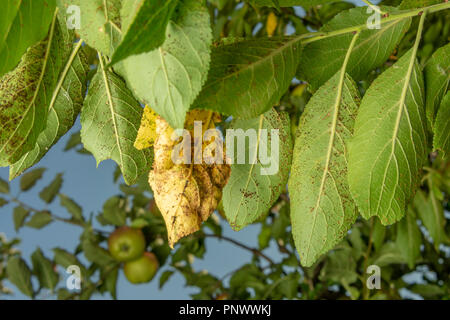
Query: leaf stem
315, 36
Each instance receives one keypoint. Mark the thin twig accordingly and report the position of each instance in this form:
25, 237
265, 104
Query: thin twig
243, 246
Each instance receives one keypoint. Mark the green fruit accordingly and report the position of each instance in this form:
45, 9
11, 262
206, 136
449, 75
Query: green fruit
141, 270
126, 244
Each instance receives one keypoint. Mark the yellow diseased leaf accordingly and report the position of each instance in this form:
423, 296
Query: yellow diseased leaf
271, 25
186, 194
177, 197
147, 131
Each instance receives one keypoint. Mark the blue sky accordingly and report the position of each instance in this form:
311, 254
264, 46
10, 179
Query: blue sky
91, 186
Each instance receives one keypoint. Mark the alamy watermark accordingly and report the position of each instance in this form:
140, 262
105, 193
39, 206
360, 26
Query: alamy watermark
73, 282
374, 280
73, 17
374, 21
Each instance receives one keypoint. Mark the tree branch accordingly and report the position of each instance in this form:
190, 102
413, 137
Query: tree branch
241, 245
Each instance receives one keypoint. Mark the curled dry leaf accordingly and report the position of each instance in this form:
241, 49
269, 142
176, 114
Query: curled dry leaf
186, 194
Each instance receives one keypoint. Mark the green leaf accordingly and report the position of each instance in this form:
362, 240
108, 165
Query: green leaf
441, 140
357, 243
247, 78
114, 211
409, 4
20, 275
428, 291
165, 276
111, 281
110, 121
289, 3
3, 202
340, 267
72, 207
409, 238
431, 212
19, 216
144, 28
388, 254
74, 141
39, 220
437, 78
389, 146
288, 285
94, 253
169, 78
4, 186
264, 237
26, 93
66, 259
43, 268
30, 178
22, 24
378, 234
64, 107
64, 294
256, 184
99, 22
322, 59
322, 210
49, 192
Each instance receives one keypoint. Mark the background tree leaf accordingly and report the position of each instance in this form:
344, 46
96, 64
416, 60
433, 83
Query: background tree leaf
147, 28
252, 189
94, 253
4, 186
29, 179
389, 146
322, 210
72, 207
322, 59
22, 24
3, 202
437, 78
49, 192
20, 275
43, 268
441, 140
408, 4
409, 238
340, 267
39, 220
289, 3
389, 253
111, 280
431, 212
19, 216
248, 77
169, 78
114, 212
110, 121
